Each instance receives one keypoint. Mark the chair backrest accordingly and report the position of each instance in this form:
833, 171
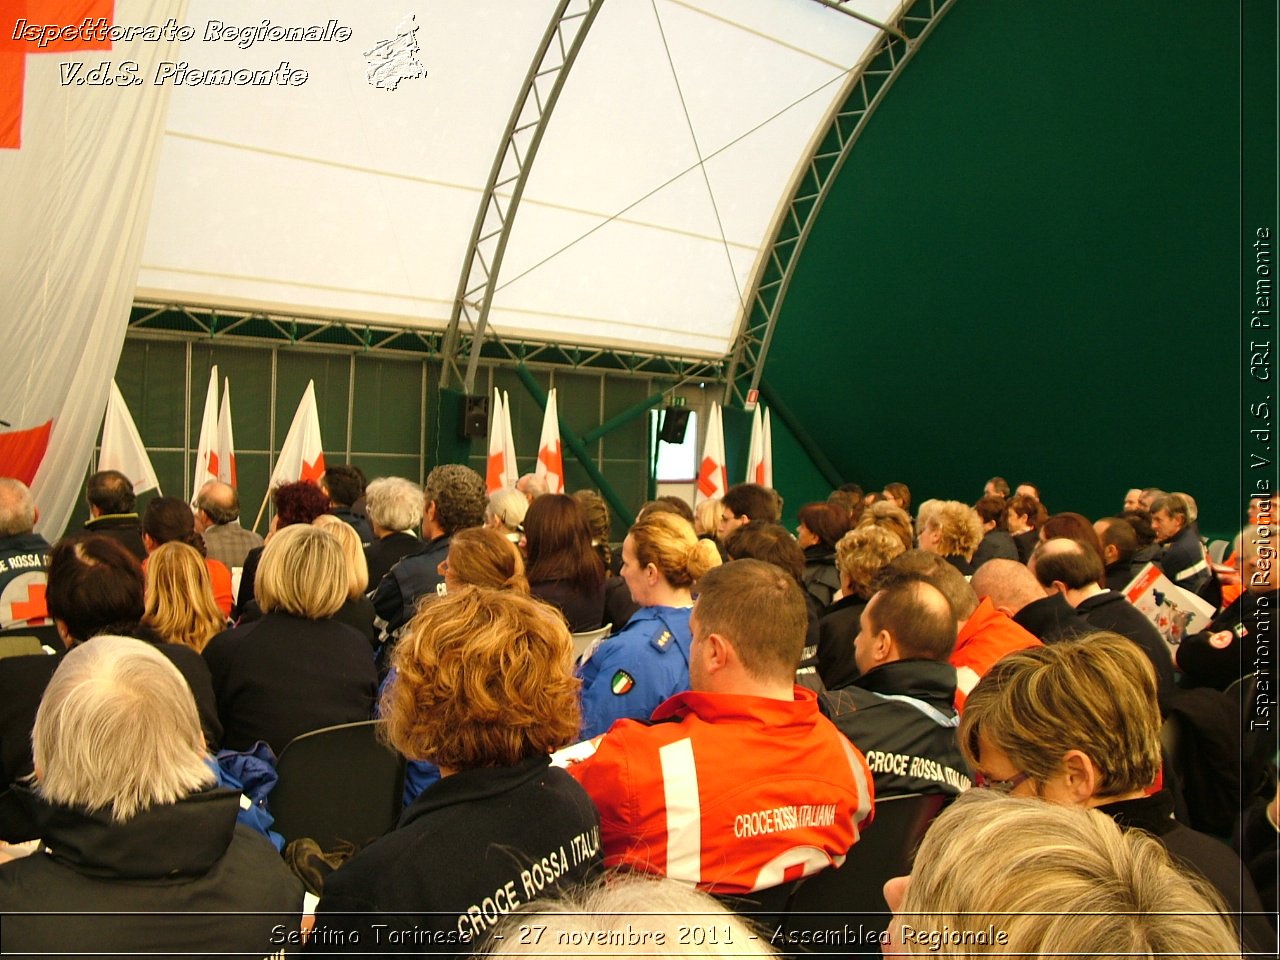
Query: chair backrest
853, 892
1218, 550
582, 642
337, 783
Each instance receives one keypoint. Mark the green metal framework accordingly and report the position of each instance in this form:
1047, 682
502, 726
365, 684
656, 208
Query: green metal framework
183, 321
863, 92
495, 217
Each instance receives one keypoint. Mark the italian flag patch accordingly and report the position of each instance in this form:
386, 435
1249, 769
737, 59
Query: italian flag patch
621, 683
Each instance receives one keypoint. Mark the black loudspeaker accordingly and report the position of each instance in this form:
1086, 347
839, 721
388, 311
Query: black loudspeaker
475, 417
675, 420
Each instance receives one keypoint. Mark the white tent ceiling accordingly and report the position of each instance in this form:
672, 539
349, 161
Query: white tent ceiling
337, 199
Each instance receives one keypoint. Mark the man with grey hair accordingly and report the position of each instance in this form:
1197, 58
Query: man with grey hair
394, 507
532, 486
24, 560
137, 826
455, 499
1173, 517
218, 520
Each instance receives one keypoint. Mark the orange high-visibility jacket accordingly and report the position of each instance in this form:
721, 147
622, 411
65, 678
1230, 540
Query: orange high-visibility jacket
733, 793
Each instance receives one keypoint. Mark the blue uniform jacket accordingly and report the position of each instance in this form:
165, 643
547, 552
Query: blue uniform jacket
635, 670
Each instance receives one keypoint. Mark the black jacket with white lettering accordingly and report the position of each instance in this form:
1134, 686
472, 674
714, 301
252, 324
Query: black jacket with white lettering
902, 716
472, 847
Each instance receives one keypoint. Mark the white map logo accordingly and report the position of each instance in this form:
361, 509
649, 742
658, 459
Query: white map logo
391, 61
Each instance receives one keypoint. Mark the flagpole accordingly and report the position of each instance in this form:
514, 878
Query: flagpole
258, 519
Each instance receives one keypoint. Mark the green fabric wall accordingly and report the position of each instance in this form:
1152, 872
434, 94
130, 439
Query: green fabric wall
389, 435
1029, 265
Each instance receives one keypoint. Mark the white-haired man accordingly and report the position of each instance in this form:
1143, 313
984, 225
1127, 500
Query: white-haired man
138, 826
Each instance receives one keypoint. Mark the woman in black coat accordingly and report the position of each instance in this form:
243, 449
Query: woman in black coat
482, 689
297, 669
563, 568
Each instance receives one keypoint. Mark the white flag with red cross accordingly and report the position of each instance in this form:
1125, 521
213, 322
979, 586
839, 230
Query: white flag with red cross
713, 475
302, 456
550, 466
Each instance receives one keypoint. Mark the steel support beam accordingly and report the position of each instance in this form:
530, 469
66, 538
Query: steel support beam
157, 320
863, 92
568, 28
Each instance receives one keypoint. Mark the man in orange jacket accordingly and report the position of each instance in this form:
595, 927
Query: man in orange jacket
984, 634
739, 784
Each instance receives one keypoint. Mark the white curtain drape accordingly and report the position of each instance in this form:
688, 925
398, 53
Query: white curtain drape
77, 203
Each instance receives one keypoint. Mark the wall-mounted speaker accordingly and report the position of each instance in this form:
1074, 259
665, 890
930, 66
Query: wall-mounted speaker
475, 417
675, 420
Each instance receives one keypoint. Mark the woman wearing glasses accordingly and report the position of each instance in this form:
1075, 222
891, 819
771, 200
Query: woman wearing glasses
1076, 723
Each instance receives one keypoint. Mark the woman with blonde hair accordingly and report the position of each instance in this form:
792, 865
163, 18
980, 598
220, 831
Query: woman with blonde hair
951, 529
631, 673
357, 611
1013, 877
168, 519
861, 555
297, 669
179, 598
484, 690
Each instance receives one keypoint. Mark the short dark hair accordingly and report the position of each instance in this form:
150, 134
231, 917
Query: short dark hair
917, 616
825, 520
751, 500
345, 484
1118, 532
167, 519
111, 492
993, 508
299, 502
770, 542
1029, 507
1140, 520
935, 570
1066, 560
760, 610
94, 582
1001, 486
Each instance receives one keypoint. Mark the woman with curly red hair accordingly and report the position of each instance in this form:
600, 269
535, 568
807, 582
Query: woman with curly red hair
484, 689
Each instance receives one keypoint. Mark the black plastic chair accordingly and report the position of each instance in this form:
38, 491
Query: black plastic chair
338, 783
845, 900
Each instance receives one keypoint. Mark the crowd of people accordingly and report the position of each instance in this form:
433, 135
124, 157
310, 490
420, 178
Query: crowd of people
750, 695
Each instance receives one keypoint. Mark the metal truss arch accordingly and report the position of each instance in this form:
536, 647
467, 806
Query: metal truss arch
862, 94
567, 29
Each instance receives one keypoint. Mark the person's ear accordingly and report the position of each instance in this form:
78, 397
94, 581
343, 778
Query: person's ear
719, 652
1059, 586
1110, 553
895, 891
1080, 776
882, 646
